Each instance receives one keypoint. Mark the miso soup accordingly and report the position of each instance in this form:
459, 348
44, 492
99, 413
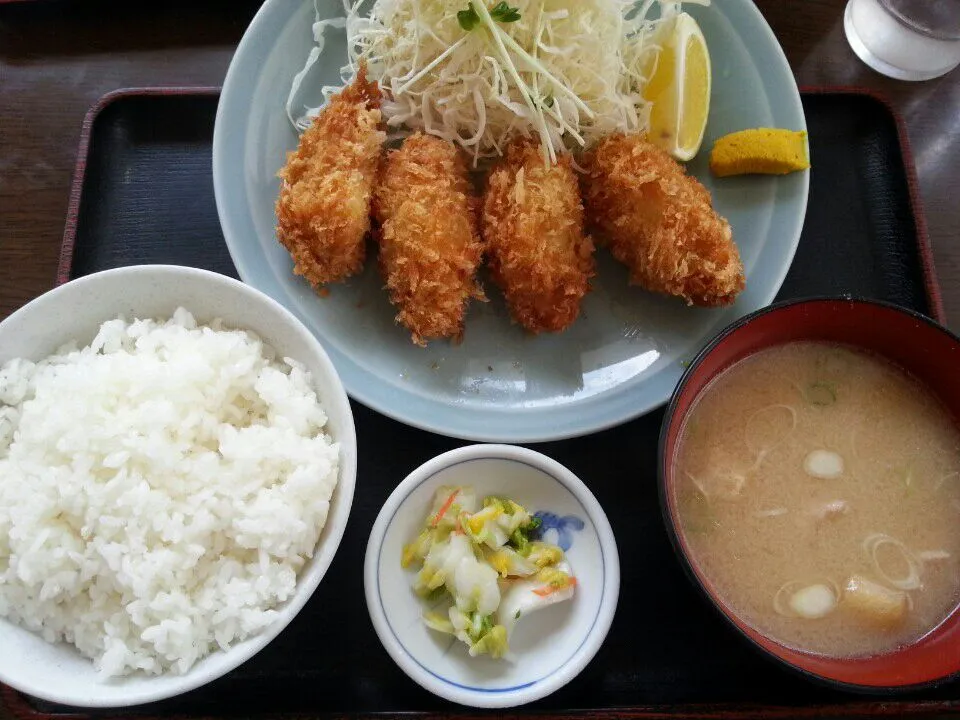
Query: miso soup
818, 489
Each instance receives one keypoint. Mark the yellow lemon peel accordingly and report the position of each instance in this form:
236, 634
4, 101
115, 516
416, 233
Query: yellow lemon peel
767, 151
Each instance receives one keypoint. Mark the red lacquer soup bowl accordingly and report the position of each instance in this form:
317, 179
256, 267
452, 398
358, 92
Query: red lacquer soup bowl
918, 345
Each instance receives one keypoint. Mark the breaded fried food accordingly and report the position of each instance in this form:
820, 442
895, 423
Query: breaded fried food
323, 211
428, 234
660, 222
532, 226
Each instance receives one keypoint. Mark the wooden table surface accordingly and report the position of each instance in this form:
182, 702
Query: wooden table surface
57, 57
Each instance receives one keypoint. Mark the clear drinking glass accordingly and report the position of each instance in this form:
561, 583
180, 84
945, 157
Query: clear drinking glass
905, 39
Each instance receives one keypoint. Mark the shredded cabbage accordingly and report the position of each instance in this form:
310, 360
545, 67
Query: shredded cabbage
318, 27
568, 71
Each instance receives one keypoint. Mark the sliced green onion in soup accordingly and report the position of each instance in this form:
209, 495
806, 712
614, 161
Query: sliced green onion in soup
820, 393
833, 362
872, 545
697, 515
768, 427
950, 477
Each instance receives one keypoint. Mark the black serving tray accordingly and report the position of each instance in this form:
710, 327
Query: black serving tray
144, 194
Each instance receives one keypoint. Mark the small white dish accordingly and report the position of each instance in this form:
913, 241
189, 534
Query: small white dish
74, 311
551, 646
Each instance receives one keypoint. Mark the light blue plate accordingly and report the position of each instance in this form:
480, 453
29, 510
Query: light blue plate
621, 359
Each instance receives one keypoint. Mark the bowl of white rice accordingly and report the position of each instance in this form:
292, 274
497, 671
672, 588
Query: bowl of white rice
177, 465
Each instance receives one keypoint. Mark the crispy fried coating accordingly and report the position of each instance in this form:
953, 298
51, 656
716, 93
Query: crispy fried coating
532, 225
428, 234
660, 222
323, 211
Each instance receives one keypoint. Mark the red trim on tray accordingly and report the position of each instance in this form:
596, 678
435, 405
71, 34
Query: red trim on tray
83, 155
930, 278
17, 705
21, 709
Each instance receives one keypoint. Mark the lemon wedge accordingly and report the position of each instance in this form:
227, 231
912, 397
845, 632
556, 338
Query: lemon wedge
679, 88
770, 151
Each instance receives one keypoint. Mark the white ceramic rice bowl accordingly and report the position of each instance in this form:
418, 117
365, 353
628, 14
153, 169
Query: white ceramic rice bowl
58, 673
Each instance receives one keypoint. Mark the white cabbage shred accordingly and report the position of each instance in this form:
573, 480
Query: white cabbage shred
568, 71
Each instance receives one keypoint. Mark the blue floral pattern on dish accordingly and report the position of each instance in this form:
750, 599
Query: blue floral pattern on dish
563, 526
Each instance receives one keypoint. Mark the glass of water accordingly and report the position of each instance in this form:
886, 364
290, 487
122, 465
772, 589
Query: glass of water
905, 39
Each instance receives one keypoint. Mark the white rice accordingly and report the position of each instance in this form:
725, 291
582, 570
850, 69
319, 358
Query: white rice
160, 490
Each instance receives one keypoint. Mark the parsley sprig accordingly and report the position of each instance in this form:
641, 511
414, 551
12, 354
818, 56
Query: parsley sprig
504, 13
501, 12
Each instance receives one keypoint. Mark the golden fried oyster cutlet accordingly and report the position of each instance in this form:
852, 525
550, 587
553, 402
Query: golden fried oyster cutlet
429, 242
323, 211
532, 226
660, 222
